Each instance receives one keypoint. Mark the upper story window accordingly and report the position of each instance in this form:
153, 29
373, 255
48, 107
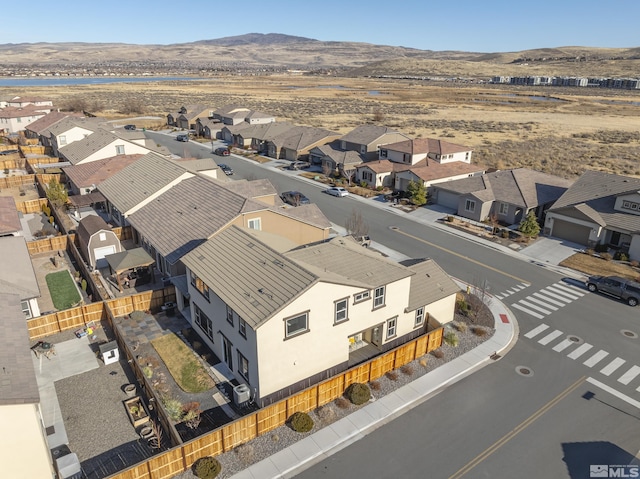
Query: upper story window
254, 224
363, 296
242, 327
363, 149
62, 140
119, 149
378, 297
341, 310
296, 325
199, 285
229, 315
419, 316
203, 321
630, 205
392, 327
26, 309
383, 153
343, 144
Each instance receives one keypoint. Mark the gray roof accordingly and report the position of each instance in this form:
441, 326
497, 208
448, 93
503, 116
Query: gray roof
429, 284
265, 131
71, 122
18, 384
310, 214
9, 218
17, 275
366, 134
252, 189
593, 196
349, 261
139, 181
338, 155
253, 279
187, 214
129, 259
79, 150
520, 187
197, 164
300, 138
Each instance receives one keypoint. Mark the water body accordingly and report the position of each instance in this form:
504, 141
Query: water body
620, 102
66, 81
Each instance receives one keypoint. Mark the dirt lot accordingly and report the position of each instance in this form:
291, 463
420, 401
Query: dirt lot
557, 130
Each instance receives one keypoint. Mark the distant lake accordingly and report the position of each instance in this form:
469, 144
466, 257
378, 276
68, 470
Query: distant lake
65, 81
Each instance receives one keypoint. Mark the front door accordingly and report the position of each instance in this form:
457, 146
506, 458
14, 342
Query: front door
226, 350
376, 335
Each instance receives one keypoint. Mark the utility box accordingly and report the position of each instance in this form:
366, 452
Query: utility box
241, 394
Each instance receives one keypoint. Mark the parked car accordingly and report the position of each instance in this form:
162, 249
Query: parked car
129, 127
336, 191
226, 168
364, 240
616, 286
221, 151
182, 137
298, 165
294, 198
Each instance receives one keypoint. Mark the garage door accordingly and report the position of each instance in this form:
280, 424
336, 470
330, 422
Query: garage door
100, 253
448, 199
571, 231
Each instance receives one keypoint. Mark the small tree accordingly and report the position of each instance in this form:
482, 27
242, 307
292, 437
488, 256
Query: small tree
417, 192
529, 226
356, 225
493, 219
57, 193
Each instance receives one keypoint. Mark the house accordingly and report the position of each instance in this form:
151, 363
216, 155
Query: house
68, 130
102, 144
429, 172
208, 128
84, 178
507, 195
39, 129
599, 209
197, 207
332, 157
22, 101
367, 139
296, 143
25, 450
283, 317
17, 275
227, 132
379, 173
96, 240
257, 136
410, 152
14, 119
9, 218
187, 116
234, 115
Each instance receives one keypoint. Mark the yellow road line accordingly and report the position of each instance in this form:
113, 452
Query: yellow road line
523, 425
461, 256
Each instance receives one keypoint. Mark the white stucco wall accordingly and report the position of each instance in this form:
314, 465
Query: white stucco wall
464, 156
73, 134
24, 453
110, 150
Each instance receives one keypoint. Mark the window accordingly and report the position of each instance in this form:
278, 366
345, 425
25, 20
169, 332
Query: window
626, 204
102, 236
363, 149
204, 322
504, 208
630, 205
296, 325
242, 327
419, 316
391, 327
243, 366
470, 206
26, 309
341, 310
62, 140
343, 145
378, 297
199, 285
254, 224
119, 149
383, 153
229, 315
406, 158
363, 296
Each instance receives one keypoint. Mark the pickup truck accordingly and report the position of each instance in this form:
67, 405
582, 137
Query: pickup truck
364, 240
616, 286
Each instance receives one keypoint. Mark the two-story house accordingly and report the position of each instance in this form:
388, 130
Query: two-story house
367, 140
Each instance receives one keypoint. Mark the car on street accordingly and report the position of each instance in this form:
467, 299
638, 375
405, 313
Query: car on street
294, 198
129, 127
298, 165
221, 151
226, 168
182, 137
621, 288
336, 191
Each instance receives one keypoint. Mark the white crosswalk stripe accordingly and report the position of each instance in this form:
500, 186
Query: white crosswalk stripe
522, 308
563, 345
570, 289
549, 292
583, 348
512, 290
612, 366
537, 330
550, 337
563, 292
630, 375
543, 303
596, 358
548, 300
537, 308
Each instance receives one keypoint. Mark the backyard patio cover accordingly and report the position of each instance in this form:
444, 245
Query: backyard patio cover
129, 259
86, 200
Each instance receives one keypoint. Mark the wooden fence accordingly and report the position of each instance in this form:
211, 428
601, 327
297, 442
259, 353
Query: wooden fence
225, 438
32, 149
17, 181
74, 318
31, 206
47, 245
12, 163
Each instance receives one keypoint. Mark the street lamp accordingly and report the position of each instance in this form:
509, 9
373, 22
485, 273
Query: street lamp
212, 151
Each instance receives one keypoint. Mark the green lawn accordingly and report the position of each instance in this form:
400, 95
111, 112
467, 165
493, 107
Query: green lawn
63, 290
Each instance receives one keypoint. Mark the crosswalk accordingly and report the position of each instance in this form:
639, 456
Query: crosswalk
512, 290
544, 302
601, 360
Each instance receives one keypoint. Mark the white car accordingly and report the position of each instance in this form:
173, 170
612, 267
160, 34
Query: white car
336, 191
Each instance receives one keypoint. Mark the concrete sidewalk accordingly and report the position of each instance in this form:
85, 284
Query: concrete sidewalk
337, 436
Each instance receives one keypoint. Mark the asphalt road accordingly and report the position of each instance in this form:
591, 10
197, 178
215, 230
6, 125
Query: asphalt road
573, 411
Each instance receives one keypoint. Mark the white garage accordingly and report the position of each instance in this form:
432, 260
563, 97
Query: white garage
100, 253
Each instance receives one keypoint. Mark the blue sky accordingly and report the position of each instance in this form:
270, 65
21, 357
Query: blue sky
466, 25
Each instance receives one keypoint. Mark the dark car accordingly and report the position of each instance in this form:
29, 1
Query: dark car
8, 152
222, 152
294, 198
226, 168
616, 286
182, 137
129, 127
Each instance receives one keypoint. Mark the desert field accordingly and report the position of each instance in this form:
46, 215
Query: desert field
562, 131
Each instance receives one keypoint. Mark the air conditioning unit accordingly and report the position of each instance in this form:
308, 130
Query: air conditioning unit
241, 394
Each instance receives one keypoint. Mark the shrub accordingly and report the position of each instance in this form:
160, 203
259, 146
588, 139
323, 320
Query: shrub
589, 252
407, 369
460, 326
463, 307
437, 354
620, 256
504, 233
423, 362
601, 248
606, 256
358, 393
148, 372
301, 422
207, 467
342, 403
326, 414
478, 331
363, 184
393, 375
451, 338
245, 453
173, 408
450, 219
375, 385
379, 188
